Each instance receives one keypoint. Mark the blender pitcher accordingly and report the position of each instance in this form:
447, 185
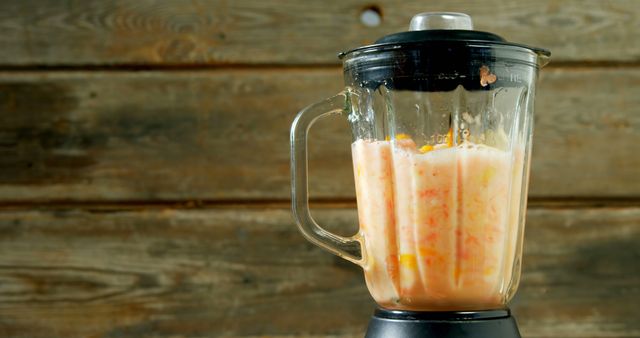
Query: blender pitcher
442, 118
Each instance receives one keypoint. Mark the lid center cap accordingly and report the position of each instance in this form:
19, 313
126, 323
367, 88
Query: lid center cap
440, 20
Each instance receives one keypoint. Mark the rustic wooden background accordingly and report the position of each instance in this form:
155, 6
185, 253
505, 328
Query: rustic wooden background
144, 176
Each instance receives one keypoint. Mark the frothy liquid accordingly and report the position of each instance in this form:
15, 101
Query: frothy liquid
440, 228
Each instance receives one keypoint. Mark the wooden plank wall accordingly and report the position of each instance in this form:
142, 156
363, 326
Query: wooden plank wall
144, 176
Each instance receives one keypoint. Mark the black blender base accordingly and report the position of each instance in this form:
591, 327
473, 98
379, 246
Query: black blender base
466, 324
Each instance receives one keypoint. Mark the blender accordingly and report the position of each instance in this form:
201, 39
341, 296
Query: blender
442, 118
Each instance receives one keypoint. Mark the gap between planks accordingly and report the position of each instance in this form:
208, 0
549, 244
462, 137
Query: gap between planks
340, 203
168, 67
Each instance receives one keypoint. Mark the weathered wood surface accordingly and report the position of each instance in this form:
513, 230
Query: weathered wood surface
95, 32
89, 142
223, 135
247, 272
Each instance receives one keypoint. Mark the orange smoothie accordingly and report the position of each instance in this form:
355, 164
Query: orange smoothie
440, 225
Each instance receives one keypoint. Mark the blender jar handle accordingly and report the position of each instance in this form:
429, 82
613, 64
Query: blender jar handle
349, 248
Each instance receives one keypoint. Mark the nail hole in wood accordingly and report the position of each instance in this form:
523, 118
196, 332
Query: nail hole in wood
371, 16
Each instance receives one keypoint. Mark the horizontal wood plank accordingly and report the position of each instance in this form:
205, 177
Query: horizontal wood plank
249, 273
95, 32
223, 135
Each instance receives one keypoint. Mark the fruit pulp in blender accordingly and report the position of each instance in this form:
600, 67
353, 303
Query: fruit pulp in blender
440, 224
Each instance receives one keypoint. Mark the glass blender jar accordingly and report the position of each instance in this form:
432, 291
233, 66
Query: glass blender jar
442, 119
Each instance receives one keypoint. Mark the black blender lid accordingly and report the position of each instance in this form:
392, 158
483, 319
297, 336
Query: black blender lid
441, 27
440, 52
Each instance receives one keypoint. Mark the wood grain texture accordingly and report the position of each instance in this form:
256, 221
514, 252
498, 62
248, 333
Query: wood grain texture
248, 272
37, 32
89, 142
223, 135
